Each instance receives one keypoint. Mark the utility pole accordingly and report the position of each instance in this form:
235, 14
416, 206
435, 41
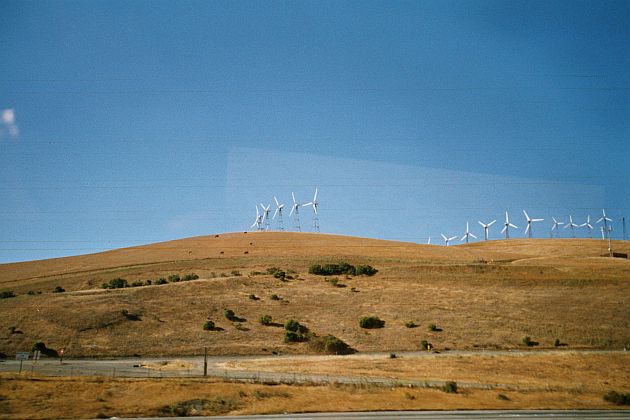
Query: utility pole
205, 361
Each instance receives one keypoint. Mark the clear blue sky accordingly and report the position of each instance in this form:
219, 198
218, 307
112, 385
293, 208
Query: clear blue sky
132, 122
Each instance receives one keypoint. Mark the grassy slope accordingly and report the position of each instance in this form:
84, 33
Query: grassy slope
482, 295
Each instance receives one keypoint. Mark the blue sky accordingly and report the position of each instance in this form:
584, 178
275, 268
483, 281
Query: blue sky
132, 122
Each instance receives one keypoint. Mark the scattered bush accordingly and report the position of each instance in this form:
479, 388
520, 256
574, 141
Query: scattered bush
209, 325
503, 397
410, 324
41, 347
117, 283
617, 398
293, 325
371, 322
30, 292
253, 297
129, 316
174, 278
265, 319
556, 343
161, 280
148, 282
450, 387
433, 327
191, 276
392, 355
137, 283
293, 337
275, 297
59, 289
529, 342
294, 331
235, 273
229, 314
330, 344
341, 268
7, 294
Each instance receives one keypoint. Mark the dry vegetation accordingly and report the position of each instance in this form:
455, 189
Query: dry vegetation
44, 398
482, 295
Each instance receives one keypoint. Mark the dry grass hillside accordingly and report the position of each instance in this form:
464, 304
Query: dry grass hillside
481, 295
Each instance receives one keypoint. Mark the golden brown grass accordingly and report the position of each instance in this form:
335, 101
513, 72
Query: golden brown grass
482, 295
44, 398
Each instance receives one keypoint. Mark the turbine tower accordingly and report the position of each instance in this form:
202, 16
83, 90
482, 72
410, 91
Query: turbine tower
623, 227
266, 212
571, 225
258, 221
447, 240
314, 204
556, 226
601, 228
588, 226
485, 228
295, 208
605, 220
528, 229
467, 234
278, 213
507, 225
429, 241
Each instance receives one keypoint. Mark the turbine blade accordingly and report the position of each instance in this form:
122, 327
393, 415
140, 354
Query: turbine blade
291, 212
537, 220
527, 228
443, 236
274, 214
293, 195
472, 235
491, 223
452, 237
526, 215
315, 197
514, 226
463, 237
503, 230
482, 225
276, 200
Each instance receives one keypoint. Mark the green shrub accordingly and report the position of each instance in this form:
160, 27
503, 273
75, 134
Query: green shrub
41, 347
30, 292
161, 280
330, 344
528, 341
341, 268
208, 325
7, 294
371, 322
235, 273
191, 276
450, 387
148, 282
253, 297
617, 398
392, 355
59, 289
174, 278
293, 337
229, 314
410, 324
293, 325
117, 283
432, 327
556, 343
275, 297
265, 319
137, 283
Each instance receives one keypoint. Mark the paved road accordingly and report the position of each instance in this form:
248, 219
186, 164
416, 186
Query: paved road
431, 415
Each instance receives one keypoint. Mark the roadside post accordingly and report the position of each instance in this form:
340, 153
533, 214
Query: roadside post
205, 361
61, 352
21, 356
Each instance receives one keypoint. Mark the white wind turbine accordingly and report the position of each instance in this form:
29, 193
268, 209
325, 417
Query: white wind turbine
467, 234
258, 221
556, 226
447, 240
314, 204
429, 241
528, 229
266, 211
605, 220
571, 225
485, 228
507, 225
295, 208
278, 213
588, 226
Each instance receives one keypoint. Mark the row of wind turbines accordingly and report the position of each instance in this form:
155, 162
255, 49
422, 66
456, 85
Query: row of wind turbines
606, 228
262, 221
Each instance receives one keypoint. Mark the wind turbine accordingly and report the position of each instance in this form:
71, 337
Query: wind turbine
485, 228
528, 229
623, 227
571, 225
467, 234
314, 204
258, 221
447, 240
507, 225
605, 220
278, 213
295, 208
266, 212
429, 241
588, 226
556, 226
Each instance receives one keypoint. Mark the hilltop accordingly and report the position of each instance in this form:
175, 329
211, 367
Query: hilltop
480, 295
